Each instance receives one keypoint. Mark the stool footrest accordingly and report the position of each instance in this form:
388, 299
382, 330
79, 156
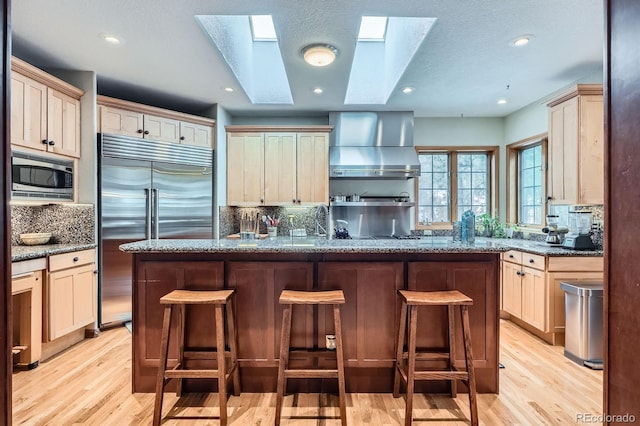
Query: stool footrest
191, 374
310, 374
429, 356
206, 355
441, 375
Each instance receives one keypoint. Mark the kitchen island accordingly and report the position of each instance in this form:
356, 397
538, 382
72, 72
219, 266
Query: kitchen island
368, 271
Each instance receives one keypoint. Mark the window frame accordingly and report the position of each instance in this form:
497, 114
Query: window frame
513, 180
492, 152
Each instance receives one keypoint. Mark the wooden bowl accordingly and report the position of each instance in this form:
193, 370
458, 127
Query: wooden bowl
35, 239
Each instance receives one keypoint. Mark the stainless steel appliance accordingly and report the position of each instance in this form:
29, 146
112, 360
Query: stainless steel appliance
374, 216
579, 236
555, 233
372, 145
583, 323
36, 177
148, 190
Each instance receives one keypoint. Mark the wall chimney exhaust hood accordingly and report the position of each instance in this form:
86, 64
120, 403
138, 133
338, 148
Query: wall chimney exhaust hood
372, 145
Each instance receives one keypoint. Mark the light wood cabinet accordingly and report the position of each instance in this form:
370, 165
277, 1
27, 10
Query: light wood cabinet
531, 292
71, 293
576, 146
126, 118
277, 167
45, 111
26, 291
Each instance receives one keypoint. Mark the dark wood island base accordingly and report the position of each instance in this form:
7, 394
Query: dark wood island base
369, 280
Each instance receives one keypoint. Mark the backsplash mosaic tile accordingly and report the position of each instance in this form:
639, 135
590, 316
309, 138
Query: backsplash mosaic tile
68, 223
290, 218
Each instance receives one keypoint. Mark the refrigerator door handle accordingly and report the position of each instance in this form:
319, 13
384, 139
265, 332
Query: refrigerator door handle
156, 213
147, 216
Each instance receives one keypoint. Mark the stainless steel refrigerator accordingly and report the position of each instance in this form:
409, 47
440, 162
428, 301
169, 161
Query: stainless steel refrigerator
148, 190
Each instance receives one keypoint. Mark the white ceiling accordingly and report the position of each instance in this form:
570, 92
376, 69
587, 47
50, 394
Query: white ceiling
463, 66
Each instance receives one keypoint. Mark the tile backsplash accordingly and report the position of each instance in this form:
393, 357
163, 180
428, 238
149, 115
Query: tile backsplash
302, 217
68, 223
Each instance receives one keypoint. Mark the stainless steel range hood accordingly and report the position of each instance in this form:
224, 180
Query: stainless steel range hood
372, 145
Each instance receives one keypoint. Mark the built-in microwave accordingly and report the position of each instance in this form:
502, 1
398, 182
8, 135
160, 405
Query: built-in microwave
35, 177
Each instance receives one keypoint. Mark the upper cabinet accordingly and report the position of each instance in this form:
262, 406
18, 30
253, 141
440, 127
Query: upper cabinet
45, 111
576, 146
126, 118
277, 165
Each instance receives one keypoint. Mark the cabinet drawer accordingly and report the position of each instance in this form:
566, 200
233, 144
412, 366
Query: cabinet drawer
513, 256
533, 261
69, 260
576, 263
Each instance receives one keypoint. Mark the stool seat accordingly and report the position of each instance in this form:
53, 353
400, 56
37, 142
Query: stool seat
435, 298
293, 297
196, 297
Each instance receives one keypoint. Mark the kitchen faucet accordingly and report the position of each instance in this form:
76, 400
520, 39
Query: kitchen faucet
322, 208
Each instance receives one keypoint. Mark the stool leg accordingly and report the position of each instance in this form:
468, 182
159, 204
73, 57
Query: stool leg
183, 320
284, 360
452, 347
340, 359
164, 351
464, 310
399, 350
233, 344
413, 325
222, 371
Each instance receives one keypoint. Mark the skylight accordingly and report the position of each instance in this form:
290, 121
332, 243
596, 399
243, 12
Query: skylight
377, 67
372, 28
262, 28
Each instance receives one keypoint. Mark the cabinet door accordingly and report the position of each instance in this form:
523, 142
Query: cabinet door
591, 153
28, 112
120, 122
563, 152
161, 129
312, 179
511, 289
370, 314
280, 168
245, 169
63, 124
68, 289
258, 287
195, 134
534, 297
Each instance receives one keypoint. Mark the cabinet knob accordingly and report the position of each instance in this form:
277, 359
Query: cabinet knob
531, 261
510, 256
44, 141
261, 200
75, 259
181, 138
51, 143
518, 273
139, 131
146, 132
293, 201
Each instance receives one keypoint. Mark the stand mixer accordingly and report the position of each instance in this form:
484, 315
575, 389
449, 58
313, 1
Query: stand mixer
555, 233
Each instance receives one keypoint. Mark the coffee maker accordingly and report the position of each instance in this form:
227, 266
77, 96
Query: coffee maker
579, 236
555, 233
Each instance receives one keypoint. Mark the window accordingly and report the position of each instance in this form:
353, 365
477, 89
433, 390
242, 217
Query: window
526, 165
453, 181
530, 185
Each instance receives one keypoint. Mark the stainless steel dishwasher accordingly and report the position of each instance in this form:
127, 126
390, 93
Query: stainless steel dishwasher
583, 323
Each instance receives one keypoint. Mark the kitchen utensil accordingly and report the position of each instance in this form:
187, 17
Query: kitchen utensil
35, 239
356, 197
555, 233
339, 198
341, 231
402, 198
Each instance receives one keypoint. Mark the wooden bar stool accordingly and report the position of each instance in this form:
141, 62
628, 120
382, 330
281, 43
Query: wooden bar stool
290, 298
408, 373
224, 372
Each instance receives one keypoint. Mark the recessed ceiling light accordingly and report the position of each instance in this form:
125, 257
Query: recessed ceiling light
502, 101
318, 90
522, 40
407, 90
112, 39
228, 89
319, 55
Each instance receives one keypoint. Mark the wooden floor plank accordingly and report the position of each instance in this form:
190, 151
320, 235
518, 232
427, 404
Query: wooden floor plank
90, 384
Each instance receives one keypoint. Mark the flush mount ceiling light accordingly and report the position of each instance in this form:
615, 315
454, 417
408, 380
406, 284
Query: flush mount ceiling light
318, 90
502, 101
407, 90
522, 40
111, 39
319, 55
228, 89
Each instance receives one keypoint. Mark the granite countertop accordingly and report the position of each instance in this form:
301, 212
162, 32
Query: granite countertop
19, 253
321, 245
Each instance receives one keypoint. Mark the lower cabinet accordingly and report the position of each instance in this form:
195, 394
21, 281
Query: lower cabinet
370, 313
71, 294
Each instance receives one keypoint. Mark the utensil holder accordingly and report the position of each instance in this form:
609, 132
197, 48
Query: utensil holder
272, 231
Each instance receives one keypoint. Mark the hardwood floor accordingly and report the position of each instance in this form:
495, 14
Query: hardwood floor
91, 384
